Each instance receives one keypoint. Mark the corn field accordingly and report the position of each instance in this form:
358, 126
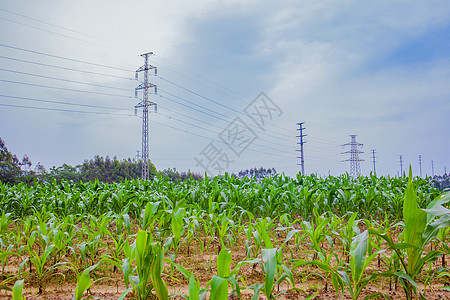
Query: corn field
225, 237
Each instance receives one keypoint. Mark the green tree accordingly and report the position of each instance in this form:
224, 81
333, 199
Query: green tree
64, 172
10, 171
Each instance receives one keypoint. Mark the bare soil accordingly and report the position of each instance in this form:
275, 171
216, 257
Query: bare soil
108, 285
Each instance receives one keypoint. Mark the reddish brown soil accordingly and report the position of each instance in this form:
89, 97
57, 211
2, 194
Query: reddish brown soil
203, 266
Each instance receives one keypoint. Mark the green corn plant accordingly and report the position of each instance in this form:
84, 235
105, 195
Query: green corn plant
316, 234
149, 266
324, 262
39, 261
191, 229
62, 239
261, 235
195, 292
220, 282
124, 265
348, 232
222, 224
270, 265
18, 290
358, 280
442, 235
5, 281
149, 215
5, 221
178, 229
419, 229
84, 282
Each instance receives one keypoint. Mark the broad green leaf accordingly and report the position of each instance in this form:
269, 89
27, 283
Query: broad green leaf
84, 282
270, 268
256, 288
224, 263
18, 290
194, 288
358, 256
219, 288
157, 268
124, 294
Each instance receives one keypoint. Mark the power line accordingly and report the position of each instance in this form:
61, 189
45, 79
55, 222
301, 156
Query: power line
63, 110
215, 102
201, 106
218, 133
62, 79
128, 115
64, 28
64, 58
65, 68
64, 89
60, 102
210, 110
49, 31
204, 137
224, 120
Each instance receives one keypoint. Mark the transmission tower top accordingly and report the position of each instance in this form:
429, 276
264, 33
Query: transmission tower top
355, 168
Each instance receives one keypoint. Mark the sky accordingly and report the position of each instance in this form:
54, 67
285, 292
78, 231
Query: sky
233, 80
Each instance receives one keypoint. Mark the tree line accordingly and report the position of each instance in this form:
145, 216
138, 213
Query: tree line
106, 169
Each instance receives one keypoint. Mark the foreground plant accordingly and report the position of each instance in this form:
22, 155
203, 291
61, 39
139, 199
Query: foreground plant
18, 290
418, 230
271, 266
357, 268
149, 266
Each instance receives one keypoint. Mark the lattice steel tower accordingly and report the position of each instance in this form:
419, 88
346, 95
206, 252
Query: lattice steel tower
301, 143
354, 159
145, 103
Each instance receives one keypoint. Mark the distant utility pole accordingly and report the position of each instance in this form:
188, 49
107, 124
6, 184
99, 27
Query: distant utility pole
354, 159
145, 103
301, 135
137, 155
420, 165
432, 168
401, 165
373, 160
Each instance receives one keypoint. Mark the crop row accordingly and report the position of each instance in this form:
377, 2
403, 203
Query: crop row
372, 197
141, 229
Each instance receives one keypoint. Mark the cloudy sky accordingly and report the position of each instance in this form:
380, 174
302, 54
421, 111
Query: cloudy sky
379, 70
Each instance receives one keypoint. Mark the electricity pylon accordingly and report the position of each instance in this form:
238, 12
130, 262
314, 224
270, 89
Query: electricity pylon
145, 103
354, 159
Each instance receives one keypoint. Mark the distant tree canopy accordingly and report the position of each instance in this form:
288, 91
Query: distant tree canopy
442, 182
176, 176
256, 173
99, 168
112, 170
105, 169
11, 168
9, 165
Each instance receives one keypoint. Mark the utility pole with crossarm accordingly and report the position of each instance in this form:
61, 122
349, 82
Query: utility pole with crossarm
301, 135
